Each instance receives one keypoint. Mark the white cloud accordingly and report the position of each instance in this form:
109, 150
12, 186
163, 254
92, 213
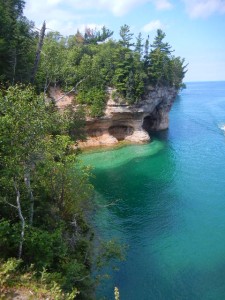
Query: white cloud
153, 25
204, 8
116, 7
66, 16
53, 2
162, 4
64, 20
121, 7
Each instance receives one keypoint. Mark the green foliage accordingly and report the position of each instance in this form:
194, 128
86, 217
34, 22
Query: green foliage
93, 36
139, 45
9, 236
163, 68
129, 75
86, 63
6, 270
53, 64
110, 251
126, 36
32, 152
43, 248
81, 64
159, 44
17, 42
29, 284
95, 99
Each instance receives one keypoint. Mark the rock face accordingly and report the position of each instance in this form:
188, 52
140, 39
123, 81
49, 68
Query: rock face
123, 122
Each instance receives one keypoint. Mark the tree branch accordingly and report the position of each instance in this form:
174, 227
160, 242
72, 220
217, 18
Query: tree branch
14, 206
72, 90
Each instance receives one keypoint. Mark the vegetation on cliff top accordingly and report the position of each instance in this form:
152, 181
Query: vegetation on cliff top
45, 194
82, 63
88, 62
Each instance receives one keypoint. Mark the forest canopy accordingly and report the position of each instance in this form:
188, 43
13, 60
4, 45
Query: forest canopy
93, 61
87, 62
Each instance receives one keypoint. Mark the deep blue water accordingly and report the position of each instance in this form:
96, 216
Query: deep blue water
169, 203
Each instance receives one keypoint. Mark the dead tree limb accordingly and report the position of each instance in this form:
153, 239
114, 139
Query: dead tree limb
72, 90
38, 53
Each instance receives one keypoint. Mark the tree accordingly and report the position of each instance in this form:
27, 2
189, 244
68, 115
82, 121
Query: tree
163, 68
159, 44
38, 52
178, 71
52, 62
126, 36
92, 36
158, 67
139, 45
16, 42
23, 124
44, 189
146, 51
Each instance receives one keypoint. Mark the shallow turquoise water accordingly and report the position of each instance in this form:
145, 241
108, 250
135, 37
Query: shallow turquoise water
169, 203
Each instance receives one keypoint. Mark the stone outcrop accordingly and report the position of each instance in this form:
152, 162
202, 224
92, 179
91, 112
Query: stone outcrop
124, 122
132, 123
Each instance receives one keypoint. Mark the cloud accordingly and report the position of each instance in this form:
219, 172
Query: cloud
122, 7
153, 25
116, 7
58, 17
66, 16
204, 8
162, 4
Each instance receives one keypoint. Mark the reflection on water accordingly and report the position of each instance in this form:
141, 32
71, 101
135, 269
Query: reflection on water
170, 203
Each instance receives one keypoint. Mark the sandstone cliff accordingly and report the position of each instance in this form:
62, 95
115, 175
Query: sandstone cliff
124, 122
131, 122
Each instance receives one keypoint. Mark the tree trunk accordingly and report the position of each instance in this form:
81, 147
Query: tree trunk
31, 196
21, 219
14, 67
38, 52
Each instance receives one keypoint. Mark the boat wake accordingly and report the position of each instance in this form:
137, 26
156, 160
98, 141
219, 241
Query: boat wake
222, 127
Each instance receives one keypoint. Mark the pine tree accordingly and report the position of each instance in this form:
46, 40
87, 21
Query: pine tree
126, 36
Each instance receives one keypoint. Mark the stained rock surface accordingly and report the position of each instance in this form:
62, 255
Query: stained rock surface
124, 122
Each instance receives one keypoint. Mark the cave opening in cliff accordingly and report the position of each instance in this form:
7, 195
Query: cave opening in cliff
148, 123
120, 132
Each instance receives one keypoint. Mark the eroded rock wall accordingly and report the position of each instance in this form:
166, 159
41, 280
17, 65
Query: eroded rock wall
122, 121
132, 123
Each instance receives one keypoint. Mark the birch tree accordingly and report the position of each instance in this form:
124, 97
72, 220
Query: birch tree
23, 124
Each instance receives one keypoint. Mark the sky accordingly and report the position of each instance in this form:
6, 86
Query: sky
194, 28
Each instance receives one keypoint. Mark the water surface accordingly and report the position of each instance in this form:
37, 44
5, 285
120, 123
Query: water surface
169, 200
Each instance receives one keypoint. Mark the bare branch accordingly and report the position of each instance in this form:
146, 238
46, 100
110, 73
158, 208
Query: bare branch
78, 280
14, 206
110, 204
72, 90
38, 52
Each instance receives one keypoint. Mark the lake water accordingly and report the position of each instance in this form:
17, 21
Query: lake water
169, 198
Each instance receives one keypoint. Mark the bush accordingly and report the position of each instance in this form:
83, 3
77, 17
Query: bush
43, 248
95, 98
